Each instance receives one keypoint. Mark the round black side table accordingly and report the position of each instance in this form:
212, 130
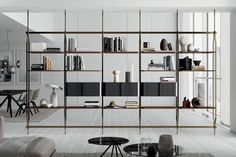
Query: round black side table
114, 142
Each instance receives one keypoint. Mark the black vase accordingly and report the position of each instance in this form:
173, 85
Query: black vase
164, 45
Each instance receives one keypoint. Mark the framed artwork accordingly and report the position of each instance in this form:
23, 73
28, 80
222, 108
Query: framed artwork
35, 77
5, 77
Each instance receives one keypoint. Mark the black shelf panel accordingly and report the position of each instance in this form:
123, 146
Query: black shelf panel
82, 89
120, 89
158, 89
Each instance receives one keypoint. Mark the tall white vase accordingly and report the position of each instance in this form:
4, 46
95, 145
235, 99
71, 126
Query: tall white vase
53, 98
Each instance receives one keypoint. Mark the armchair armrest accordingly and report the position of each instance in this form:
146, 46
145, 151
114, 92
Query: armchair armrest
1, 127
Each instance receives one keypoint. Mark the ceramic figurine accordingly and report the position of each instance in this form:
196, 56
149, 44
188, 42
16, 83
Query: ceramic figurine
164, 45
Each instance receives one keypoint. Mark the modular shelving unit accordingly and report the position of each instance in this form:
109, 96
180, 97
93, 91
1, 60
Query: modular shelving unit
177, 107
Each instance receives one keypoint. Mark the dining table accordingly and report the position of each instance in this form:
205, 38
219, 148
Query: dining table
9, 98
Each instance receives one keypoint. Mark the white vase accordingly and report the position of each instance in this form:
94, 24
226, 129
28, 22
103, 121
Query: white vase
116, 74
183, 43
53, 98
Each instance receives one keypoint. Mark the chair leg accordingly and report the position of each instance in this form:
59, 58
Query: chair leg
34, 107
19, 110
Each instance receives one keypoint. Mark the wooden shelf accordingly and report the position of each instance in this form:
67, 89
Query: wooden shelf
46, 52
196, 70
160, 52
46, 70
128, 52
196, 32
158, 70
120, 108
83, 70
40, 107
191, 108
197, 52
159, 32
158, 107
46, 32
83, 52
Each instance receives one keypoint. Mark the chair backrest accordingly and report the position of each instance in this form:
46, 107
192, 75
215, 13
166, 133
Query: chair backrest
35, 94
24, 99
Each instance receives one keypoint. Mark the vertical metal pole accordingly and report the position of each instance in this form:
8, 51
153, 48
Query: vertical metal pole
193, 72
207, 62
215, 74
27, 73
140, 77
65, 75
177, 72
102, 71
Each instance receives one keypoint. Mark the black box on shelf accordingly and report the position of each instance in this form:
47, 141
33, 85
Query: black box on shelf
185, 64
129, 89
37, 67
111, 89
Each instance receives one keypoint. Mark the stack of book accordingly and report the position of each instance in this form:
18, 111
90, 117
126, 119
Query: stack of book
91, 104
47, 63
155, 66
198, 68
131, 104
114, 44
149, 49
74, 62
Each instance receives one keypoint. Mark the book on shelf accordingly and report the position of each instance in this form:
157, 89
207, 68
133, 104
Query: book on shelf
149, 49
47, 63
164, 79
71, 44
53, 49
200, 67
155, 66
95, 103
114, 44
131, 104
74, 62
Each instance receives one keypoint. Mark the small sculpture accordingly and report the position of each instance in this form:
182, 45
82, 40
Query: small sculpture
186, 103
196, 102
164, 45
183, 43
190, 47
116, 74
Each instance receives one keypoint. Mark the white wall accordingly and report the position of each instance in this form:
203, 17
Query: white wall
232, 73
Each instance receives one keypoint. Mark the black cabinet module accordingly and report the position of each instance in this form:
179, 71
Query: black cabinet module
111, 89
82, 89
149, 89
120, 89
129, 89
167, 89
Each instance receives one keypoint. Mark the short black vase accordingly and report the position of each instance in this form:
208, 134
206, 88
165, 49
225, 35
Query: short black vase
164, 45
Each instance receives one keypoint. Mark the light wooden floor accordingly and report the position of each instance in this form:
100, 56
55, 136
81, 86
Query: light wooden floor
223, 144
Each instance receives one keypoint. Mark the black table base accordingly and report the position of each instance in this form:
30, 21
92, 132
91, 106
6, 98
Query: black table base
9, 98
116, 147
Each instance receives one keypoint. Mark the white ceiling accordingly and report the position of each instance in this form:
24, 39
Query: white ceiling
112, 4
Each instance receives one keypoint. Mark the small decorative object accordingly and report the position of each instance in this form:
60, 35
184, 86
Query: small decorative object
116, 74
43, 103
146, 44
169, 63
196, 102
155, 66
112, 104
190, 47
197, 62
53, 96
151, 152
165, 146
164, 45
185, 63
186, 103
183, 43
170, 47
196, 49
49, 105
129, 72
145, 143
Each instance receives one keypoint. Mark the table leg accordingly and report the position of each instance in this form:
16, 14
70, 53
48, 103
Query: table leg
116, 151
9, 105
105, 150
119, 150
112, 150
3, 102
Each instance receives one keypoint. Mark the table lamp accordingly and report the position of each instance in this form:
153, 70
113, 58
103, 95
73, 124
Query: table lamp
53, 95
